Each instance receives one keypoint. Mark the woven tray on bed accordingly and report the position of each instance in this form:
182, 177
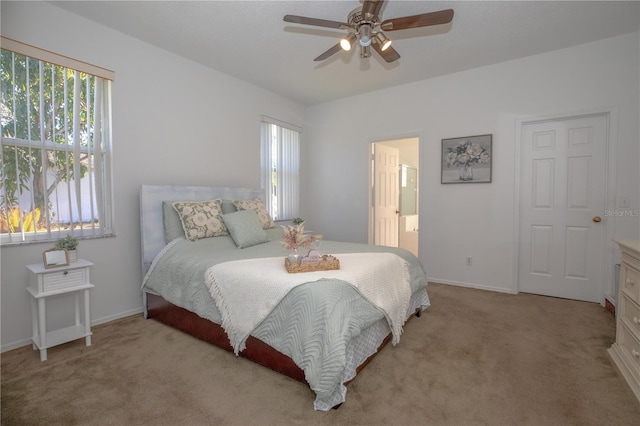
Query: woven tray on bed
327, 263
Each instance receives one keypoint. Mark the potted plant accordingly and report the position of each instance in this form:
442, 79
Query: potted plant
298, 221
69, 243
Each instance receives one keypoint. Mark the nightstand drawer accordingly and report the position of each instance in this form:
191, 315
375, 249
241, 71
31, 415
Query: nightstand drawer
630, 345
63, 279
630, 313
630, 282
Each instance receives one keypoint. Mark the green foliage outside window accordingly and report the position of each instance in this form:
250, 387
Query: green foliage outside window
46, 109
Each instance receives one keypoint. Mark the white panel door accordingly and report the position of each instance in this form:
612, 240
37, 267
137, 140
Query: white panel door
386, 195
562, 200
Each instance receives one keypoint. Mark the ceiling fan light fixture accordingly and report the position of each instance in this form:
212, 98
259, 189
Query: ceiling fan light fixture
365, 51
365, 24
365, 35
346, 42
383, 41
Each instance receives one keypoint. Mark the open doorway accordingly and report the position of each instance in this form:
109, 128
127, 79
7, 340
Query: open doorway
395, 169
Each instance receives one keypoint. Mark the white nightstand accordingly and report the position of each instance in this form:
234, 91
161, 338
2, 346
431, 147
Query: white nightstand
43, 283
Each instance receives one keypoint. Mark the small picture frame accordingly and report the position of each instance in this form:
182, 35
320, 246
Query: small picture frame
55, 257
467, 159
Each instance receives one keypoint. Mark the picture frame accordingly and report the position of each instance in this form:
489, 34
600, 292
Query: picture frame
55, 258
467, 159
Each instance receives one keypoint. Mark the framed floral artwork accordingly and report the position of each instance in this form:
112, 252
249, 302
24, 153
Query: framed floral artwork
467, 159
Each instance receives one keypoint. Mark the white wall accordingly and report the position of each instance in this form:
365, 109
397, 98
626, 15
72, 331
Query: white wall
470, 220
174, 122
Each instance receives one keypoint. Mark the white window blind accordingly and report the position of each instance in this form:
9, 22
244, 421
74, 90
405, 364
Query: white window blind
280, 151
56, 149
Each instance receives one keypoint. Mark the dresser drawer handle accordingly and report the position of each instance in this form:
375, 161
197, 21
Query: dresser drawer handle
636, 320
629, 282
66, 272
635, 353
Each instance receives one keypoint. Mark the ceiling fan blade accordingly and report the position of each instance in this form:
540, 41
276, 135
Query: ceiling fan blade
371, 9
415, 21
389, 54
335, 49
314, 21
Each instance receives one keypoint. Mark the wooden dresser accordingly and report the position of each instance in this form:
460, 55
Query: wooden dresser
625, 352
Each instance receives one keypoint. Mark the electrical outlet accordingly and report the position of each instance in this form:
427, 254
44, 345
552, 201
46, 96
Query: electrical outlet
468, 261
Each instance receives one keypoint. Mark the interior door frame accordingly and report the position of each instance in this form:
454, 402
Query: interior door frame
414, 135
609, 188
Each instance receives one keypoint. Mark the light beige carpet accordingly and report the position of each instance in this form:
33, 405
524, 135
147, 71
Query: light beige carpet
473, 358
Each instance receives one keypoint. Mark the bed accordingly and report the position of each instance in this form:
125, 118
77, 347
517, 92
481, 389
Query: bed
321, 329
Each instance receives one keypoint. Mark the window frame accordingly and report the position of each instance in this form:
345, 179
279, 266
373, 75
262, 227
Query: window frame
99, 153
280, 167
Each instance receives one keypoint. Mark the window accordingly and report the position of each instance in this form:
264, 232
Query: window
280, 148
56, 146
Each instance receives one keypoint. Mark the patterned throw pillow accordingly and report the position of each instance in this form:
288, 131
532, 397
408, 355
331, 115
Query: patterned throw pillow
201, 219
257, 205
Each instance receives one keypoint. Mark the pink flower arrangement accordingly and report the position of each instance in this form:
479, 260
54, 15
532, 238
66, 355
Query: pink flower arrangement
295, 237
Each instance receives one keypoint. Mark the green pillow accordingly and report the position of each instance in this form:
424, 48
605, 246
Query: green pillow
245, 228
171, 220
228, 207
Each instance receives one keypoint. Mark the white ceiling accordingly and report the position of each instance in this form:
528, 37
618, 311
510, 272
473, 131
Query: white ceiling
249, 39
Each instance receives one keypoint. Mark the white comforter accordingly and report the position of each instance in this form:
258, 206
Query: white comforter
246, 291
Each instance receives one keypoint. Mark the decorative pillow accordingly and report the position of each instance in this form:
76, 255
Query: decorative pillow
201, 219
274, 233
172, 224
228, 207
245, 228
258, 206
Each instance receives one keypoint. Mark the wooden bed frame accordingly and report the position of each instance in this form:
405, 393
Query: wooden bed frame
256, 350
158, 308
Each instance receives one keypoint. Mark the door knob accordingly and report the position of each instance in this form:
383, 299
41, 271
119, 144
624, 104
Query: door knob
596, 219
397, 211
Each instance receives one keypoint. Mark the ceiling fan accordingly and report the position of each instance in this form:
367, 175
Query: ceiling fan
365, 25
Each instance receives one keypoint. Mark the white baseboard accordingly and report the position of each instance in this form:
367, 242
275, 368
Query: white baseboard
94, 322
469, 285
110, 318
140, 309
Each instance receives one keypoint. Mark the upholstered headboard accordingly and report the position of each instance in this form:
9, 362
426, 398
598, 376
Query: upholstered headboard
151, 217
